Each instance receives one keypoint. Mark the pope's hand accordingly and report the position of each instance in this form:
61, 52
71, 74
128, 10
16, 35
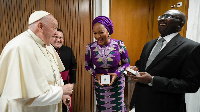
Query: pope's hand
67, 89
66, 100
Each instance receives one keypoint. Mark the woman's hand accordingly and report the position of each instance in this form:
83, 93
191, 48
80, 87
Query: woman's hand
114, 76
98, 77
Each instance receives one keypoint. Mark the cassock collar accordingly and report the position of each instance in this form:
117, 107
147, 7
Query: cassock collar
61, 48
36, 38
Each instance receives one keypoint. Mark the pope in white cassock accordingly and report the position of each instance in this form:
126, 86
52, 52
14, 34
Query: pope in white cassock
30, 79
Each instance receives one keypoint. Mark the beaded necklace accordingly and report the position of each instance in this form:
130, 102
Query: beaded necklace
54, 75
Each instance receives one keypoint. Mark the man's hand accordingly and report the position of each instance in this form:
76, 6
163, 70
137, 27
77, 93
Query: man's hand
67, 89
66, 100
143, 78
114, 76
98, 77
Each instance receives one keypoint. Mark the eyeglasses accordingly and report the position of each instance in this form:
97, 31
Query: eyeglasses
168, 16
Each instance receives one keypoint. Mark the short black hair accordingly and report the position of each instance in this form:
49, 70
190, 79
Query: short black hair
59, 30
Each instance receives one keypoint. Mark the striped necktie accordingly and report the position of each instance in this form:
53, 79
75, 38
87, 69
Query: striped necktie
155, 51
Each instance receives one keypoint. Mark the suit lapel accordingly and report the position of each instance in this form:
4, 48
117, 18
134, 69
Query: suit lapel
148, 50
171, 46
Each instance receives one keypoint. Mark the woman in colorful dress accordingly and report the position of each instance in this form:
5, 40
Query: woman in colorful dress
105, 54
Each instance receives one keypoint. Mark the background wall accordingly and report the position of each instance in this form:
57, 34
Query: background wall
135, 22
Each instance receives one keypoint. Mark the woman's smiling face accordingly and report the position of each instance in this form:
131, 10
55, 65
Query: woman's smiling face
101, 34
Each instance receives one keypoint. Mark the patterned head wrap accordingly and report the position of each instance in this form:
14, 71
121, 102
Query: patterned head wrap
104, 21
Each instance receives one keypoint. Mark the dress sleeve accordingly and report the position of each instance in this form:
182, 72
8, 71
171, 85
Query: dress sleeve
125, 61
88, 61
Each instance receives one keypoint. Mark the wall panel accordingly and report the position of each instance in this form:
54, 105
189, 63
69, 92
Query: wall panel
14, 18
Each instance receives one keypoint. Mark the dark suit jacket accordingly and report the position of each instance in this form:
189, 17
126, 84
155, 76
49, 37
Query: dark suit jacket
176, 71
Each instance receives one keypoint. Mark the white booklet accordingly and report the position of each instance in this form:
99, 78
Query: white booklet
105, 79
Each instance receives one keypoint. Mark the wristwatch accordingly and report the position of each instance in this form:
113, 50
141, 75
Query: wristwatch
151, 83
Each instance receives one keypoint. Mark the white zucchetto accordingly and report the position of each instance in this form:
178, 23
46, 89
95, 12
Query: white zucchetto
35, 16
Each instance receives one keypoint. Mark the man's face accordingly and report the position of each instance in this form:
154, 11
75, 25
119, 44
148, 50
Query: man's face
170, 22
100, 34
57, 40
49, 29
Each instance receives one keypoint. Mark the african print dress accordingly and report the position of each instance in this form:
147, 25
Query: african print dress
106, 59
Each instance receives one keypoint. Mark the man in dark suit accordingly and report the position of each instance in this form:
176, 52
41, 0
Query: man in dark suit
166, 76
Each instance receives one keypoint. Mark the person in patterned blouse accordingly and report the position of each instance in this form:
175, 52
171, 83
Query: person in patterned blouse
105, 54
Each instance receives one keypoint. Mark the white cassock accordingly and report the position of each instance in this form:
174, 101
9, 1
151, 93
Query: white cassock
30, 78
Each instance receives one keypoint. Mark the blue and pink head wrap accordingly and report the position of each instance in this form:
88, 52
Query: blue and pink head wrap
104, 21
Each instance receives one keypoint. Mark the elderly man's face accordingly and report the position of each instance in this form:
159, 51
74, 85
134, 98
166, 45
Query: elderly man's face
101, 34
57, 40
49, 29
170, 22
